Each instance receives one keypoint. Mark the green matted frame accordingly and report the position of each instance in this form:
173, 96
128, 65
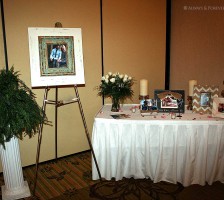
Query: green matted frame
46, 44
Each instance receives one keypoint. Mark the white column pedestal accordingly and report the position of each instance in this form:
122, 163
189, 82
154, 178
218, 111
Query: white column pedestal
15, 187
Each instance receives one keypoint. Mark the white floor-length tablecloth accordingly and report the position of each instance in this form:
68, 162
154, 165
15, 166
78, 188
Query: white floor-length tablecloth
189, 150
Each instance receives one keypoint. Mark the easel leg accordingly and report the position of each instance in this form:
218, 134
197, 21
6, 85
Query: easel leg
56, 123
86, 130
39, 141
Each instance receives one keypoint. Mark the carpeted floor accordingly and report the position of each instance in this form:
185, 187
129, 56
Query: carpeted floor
148, 191
70, 178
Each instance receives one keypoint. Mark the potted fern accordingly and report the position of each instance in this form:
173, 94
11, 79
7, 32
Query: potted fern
20, 116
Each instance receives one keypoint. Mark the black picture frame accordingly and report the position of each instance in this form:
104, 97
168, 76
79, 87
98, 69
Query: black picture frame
170, 100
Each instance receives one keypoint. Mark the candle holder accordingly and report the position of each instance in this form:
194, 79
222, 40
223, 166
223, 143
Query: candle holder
222, 93
190, 104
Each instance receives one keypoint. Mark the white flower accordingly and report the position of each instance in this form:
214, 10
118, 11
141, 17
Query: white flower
121, 76
126, 76
125, 79
107, 76
112, 80
103, 78
129, 78
106, 80
109, 73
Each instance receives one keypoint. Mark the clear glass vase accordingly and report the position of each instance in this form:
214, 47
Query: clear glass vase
115, 104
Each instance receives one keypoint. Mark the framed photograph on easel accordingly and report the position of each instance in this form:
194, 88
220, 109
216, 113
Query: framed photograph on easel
56, 56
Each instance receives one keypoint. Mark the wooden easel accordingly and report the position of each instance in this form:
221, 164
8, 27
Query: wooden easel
57, 104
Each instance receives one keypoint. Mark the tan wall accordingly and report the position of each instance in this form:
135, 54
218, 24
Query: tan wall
134, 33
2, 59
197, 45
21, 14
134, 43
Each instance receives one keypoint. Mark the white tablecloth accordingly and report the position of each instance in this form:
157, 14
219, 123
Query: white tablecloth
189, 150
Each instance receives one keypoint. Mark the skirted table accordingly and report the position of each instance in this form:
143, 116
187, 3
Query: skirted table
188, 150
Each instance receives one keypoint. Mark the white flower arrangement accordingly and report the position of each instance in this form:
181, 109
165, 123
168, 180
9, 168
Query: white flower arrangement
116, 86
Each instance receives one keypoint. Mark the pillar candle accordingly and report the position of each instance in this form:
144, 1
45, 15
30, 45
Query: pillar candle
143, 87
191, 86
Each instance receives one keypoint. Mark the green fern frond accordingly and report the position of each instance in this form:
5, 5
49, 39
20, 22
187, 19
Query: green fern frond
19, 111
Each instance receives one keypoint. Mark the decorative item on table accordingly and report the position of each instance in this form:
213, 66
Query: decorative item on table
148, 104
218, 107
222, 92
203, 98
120, 116
148, 107
116, 86
134, 108
170, 101
192, 83
173, 115
144, 93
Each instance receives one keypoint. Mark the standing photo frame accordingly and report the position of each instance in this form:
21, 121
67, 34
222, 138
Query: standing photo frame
218, 107
56, 56
170, 100
203, 98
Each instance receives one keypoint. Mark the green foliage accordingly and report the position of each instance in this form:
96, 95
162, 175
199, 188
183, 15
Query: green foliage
19, 111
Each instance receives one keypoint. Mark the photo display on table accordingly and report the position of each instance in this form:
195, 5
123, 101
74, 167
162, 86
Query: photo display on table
148, 104
203, 98
218, 107
170, 100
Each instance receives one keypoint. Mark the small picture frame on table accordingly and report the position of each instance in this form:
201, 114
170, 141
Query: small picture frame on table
148, 107
148, 104
203, 98
170, 100
218, 107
